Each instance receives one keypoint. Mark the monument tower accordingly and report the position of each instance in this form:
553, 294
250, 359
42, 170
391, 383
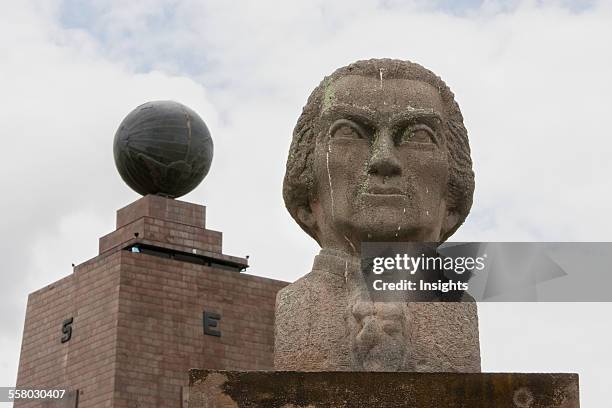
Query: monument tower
161, 297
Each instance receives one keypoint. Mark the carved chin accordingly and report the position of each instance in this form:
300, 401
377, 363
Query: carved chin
392, 223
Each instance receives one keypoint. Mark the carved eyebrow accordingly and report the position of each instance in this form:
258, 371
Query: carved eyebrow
413, 115
351, 112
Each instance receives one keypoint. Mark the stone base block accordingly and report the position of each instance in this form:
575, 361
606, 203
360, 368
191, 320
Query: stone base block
288, 389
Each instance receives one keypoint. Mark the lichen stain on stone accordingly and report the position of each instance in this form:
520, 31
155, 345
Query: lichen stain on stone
351, 244
331, 189
328, 95
354, 389
210, 391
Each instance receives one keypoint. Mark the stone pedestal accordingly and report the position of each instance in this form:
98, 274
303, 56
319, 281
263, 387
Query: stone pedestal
289, 389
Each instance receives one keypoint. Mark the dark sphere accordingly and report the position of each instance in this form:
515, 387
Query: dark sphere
163, 148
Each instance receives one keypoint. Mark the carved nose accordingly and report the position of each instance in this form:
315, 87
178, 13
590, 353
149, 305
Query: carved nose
384, 161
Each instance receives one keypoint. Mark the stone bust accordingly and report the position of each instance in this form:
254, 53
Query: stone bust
379, 153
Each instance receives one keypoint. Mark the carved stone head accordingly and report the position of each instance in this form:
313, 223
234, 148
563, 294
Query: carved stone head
379, 153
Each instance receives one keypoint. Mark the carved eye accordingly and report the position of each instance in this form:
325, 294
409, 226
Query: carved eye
347, 129
417, 134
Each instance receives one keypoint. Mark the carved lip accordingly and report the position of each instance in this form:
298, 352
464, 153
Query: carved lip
385, 190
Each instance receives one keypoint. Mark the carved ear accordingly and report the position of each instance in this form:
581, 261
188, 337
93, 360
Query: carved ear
449, 224
307, 218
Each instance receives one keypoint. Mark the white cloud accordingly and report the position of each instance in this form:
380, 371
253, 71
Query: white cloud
61, 104
532, 80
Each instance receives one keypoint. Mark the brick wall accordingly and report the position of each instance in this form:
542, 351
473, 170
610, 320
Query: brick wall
87, 361
160, 326
138, 324
162, 209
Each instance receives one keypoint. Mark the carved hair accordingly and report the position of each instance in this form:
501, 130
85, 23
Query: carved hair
299, 181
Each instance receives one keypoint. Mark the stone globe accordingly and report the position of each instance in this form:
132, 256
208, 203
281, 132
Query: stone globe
163, 148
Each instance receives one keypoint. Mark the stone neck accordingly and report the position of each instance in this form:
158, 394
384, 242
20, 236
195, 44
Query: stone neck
336, 262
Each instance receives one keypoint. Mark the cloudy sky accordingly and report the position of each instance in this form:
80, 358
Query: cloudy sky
532, 78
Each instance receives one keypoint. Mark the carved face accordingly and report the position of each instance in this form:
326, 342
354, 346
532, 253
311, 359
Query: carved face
380, 163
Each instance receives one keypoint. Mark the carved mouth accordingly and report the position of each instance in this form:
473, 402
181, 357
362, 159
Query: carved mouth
385, 190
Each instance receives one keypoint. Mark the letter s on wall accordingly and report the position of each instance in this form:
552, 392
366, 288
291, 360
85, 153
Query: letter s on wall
67, 330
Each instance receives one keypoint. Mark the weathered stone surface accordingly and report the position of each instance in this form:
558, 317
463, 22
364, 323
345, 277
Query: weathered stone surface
333, 335
231, 389
380, 153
